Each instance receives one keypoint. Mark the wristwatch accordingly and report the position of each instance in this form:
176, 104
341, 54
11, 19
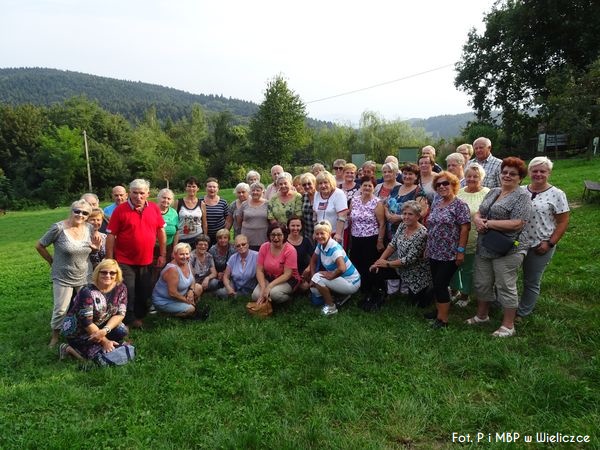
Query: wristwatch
107, 329
460, 249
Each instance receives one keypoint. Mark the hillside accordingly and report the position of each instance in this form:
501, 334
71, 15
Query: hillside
446, 126
42, 86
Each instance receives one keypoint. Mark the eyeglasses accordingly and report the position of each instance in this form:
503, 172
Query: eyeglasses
338, 168
276, 234
442, 183
306, 184
241, 244
510, 174
81, 212
112, 273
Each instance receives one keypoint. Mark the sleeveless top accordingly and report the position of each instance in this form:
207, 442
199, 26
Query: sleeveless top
162, 290
190, 221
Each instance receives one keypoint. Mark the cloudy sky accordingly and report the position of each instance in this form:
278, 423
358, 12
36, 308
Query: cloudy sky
232, 47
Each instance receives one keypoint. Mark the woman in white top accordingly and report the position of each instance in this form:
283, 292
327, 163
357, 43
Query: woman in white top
549, 221
330, 204
192, 213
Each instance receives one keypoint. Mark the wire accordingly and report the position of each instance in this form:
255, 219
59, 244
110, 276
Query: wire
381, 84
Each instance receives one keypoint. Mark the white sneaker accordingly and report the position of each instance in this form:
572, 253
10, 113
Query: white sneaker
329, 310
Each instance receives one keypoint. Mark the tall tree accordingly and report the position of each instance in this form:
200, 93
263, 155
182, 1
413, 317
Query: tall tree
278, 128
525, 43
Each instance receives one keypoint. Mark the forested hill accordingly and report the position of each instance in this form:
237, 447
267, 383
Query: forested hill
40, 86
446, 126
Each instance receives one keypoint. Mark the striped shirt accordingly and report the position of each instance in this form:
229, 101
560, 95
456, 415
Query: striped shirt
215, 218
328, 256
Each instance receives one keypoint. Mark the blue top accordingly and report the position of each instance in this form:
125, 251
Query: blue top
161, 290
243, 277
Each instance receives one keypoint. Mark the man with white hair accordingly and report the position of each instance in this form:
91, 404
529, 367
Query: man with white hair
272, 188
482, 148
133, 229
92, 199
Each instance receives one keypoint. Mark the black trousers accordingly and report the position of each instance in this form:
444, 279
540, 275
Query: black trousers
138, 280
363, 254
442, 272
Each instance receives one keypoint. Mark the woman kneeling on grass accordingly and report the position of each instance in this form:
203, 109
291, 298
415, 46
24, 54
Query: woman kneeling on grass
93, 324
174, 292
277, 267
338, 275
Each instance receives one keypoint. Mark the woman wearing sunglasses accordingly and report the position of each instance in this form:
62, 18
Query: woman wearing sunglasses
448, 228
73, 240
94, 323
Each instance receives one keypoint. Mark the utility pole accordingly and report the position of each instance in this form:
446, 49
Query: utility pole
87, 160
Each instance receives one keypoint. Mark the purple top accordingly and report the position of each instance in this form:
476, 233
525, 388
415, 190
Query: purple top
443, 228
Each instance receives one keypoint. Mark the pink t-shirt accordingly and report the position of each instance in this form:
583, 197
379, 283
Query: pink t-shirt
274, 265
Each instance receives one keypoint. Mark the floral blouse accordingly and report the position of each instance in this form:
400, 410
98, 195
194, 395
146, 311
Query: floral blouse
443, 228
415, 271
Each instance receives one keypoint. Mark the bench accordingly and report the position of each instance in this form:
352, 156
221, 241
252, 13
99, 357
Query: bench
588, 187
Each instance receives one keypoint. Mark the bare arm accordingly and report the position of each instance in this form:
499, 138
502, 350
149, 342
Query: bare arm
204, 222
44, 253
380, 216
110, 246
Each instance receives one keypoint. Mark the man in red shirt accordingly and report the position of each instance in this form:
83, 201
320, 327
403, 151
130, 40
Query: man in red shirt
133, 229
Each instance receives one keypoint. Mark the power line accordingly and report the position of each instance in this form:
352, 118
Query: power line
381, 84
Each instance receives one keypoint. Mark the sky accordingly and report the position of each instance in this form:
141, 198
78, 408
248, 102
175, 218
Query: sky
323, 48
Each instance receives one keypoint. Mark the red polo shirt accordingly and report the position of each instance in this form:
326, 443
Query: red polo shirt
135, 232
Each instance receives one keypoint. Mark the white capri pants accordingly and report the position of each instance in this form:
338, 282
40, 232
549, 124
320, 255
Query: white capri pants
338, 285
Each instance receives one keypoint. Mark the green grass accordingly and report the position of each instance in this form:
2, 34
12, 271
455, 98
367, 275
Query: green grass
299, 380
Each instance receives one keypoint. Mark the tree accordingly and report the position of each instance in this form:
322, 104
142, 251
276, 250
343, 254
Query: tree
58, 172
378, 138
525, 43
278, 128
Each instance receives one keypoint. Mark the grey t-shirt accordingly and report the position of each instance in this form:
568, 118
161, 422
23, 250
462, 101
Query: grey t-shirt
71, 264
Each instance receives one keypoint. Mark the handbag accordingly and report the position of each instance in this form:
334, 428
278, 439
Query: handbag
264, 309
497, 242
120, 356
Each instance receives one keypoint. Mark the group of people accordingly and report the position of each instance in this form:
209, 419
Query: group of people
419, 229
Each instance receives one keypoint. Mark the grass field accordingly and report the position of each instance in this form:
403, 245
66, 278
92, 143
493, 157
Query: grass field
299, 380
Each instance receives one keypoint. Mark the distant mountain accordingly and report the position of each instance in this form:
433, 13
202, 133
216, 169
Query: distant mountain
41, 86
446, 126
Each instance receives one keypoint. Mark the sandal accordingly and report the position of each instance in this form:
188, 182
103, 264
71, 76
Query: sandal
62, 351
476, 319
504, 332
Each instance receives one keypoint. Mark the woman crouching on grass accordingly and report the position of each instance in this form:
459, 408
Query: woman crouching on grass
335, 272
94, 322
174, 292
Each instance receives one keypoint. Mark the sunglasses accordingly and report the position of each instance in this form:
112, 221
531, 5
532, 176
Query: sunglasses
338, 168
81, 212
112, 273
241, 244
442, 183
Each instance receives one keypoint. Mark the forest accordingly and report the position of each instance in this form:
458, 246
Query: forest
42, 157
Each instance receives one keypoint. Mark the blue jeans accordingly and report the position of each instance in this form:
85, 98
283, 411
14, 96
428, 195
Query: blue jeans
534, 266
